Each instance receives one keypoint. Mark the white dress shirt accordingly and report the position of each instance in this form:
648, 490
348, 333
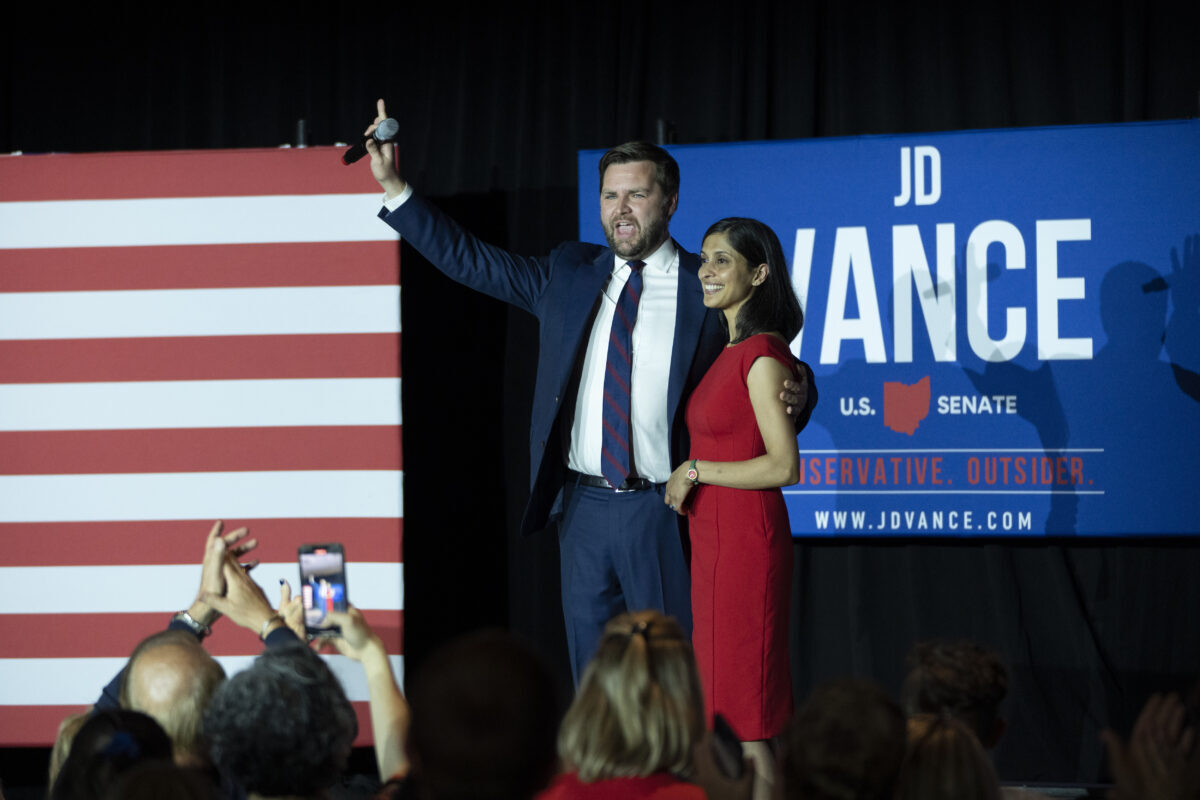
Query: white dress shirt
653, 337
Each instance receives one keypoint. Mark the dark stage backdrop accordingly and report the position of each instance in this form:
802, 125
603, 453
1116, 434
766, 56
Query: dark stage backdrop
494, 103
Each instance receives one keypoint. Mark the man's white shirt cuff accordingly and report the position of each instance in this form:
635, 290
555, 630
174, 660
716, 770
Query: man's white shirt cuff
398, 200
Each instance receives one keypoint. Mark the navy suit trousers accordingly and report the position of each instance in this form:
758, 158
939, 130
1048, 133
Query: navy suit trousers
619, 551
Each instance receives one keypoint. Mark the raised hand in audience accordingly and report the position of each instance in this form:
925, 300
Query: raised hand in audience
1161, 758
291, 609
244, 601
218, 545
389, 709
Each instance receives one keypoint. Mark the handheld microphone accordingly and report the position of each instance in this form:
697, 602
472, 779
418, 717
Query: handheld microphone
385, 131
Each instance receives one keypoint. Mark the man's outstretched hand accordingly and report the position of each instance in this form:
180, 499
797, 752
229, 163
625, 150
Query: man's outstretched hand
383, 156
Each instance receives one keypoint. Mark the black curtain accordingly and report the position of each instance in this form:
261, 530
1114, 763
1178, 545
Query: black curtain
494, 101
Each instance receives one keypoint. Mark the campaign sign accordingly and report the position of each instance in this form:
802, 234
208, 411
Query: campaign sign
1004, 324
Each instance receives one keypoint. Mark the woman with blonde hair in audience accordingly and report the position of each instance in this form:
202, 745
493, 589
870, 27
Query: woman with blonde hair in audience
636, 718
945, 761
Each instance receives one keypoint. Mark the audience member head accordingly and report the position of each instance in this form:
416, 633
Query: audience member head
160, 779
961, 679
945, 762
62, 743
283, 726
639, 709
484, 716
172, 678
108, 744
846, 742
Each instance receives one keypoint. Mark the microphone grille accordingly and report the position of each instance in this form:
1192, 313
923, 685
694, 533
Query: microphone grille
387, 130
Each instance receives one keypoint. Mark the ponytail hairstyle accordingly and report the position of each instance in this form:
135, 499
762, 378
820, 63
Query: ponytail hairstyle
945, 761
639, 709
773, 307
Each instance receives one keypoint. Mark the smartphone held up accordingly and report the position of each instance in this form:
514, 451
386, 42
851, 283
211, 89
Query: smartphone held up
322, 585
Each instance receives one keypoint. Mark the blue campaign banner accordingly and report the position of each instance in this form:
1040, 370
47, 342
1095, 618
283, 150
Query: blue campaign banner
1004, 324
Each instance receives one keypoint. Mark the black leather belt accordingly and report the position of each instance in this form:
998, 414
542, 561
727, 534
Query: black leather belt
630, 484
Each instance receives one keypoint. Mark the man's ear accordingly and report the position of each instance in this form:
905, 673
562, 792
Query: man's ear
672, 204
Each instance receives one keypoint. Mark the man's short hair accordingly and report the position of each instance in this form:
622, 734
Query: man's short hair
960, 679
181, 715
283, 726
484, 719
666, 170
846, 742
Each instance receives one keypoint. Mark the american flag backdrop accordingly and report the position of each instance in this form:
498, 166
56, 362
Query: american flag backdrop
186, 337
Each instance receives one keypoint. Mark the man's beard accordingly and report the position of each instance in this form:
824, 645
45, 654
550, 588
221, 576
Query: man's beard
638, 246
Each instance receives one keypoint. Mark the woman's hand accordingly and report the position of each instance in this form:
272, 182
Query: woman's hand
291, 610
678, 488
357, 637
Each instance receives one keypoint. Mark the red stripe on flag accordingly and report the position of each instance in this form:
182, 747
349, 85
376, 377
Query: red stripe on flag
182, 173
333, 355
34, 726
206, 174
211, 266
200, 450
366, 736
37, 726
115, 635
46, 544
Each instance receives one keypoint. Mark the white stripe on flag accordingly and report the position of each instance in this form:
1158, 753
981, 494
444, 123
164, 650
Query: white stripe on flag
200, 312
201, 495
193, 220
78, 681
124, 405
170, 587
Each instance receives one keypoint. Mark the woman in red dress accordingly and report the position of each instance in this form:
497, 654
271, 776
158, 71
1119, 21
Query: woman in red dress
743, 449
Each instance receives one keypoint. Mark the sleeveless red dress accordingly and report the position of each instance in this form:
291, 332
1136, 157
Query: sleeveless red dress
741, 555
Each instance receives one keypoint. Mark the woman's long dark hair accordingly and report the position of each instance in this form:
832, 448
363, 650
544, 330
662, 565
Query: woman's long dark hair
773, 307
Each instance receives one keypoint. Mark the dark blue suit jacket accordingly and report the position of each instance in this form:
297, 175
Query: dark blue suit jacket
562, 290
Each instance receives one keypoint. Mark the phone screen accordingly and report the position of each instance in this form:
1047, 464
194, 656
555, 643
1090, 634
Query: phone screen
322, 584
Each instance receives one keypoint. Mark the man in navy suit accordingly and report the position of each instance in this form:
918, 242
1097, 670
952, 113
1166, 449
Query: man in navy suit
620, 545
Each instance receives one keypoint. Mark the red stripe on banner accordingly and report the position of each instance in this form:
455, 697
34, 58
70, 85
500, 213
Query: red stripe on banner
195, 358
49, 544
36, 726
211, 266
115, 635
182, 173
200, 450
366, 737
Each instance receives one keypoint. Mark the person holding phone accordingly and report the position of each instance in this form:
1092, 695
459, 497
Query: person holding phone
743, 449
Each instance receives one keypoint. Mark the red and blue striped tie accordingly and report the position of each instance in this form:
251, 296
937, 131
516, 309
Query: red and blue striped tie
617, 442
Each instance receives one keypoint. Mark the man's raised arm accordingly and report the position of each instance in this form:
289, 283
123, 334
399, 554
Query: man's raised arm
383, 157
